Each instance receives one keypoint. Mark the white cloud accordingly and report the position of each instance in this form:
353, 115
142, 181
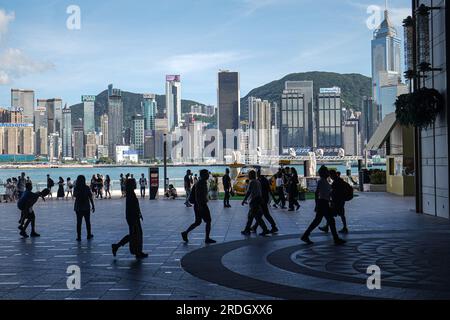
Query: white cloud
15, 64
5, 20
194, 62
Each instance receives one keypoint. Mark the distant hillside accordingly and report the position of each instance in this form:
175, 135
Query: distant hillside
354, 87
131, 106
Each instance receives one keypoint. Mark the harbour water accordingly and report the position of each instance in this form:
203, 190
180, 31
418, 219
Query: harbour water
174, 173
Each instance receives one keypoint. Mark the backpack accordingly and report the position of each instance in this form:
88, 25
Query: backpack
347, 191
22, 203
192, 196
51, 183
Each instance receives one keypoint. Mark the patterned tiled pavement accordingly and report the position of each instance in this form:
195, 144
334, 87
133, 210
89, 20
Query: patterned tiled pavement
412, 251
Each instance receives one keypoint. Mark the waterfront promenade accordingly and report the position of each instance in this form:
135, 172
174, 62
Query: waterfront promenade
411, 250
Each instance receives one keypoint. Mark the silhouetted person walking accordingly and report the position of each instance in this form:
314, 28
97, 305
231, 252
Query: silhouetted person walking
337, 200
199, 196
323, 210
265, 191
50, 185
134, 217
226, 181
188, 187
107, 187
254, 192
143, 185
293, 190
25, 204
61, 183
84, 202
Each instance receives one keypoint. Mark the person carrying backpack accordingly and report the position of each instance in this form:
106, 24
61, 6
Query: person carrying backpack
341, 192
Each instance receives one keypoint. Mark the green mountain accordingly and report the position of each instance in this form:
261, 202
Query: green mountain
353, 87
131, 106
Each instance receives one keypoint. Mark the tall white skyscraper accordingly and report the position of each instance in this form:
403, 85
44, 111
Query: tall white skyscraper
23, 100
173, 101
386, 57
260, 124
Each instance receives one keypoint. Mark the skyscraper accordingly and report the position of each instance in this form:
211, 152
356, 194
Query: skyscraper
294, 119
89, 113
54, 114
386, 57
138, 134
115, 119
104, 129
307, 89
41, 130
173, 101
23, 100
369, 119
67, 133
351, 137
149, 110
229, 106
329, 118
78, 143
91, 146
259, 124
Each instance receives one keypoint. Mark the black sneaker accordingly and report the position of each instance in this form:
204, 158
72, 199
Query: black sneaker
306, 240
344, 231
114, 248
210, 241
35, 235
274, 230
324, 229
79, 239
298, 208
184, 235
91, 236
246, 232
24, 234
339, 242
142, 255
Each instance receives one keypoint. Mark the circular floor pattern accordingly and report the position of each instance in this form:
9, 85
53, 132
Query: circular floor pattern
281, 267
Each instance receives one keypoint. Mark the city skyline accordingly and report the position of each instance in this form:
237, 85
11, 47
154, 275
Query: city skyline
37, 37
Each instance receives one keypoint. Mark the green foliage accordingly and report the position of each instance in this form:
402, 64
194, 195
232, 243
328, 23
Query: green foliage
354, 87
420, 108
378, 177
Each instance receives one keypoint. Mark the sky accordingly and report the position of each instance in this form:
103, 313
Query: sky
135, 43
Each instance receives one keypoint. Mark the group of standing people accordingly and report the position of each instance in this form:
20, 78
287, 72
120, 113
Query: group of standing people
286, 186
15, 187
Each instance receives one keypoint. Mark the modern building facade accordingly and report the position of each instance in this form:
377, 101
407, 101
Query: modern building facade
229, 106
16, 139
149, 110
78, 143
294, 120
54, 113
67, 133
260, 125
173, 101
115, 119
386, 56
24, 101
431, 31
351, 138
88, 113
329, 119
138, 134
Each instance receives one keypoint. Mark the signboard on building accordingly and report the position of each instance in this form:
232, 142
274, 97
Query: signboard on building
149, 96
16, 125
335, 90
88, 98
176, 78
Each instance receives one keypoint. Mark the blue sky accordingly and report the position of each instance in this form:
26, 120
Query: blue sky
135, 43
